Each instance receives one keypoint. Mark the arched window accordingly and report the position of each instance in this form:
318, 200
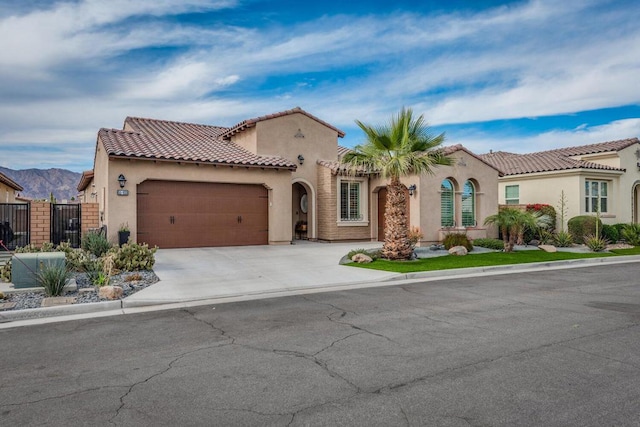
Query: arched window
468, 205
446, 204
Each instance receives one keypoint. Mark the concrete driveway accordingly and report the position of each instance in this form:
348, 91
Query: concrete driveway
210, 273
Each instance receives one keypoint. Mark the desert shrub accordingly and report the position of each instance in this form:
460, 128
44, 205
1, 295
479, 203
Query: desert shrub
582, 226
595, 243
610, 233
456, 239
563, 239
53, 279
540, 209
415, 235
5, 272
631, 234
95, 243
374, 254
496, 244
133, 256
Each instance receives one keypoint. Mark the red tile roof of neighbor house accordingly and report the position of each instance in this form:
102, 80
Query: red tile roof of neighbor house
177, 141
556, 160
10, 183
245, 124
85, 179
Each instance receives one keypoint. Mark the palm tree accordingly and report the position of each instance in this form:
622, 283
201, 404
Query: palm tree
400, 148
512, 223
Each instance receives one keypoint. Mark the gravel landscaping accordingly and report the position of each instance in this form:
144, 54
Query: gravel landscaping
84, 293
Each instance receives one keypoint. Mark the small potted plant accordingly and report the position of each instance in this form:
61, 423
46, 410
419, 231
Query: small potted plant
123, 234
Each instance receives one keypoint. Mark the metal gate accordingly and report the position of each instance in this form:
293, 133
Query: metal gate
14, 225
65, 224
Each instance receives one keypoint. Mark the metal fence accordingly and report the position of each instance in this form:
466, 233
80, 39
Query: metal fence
65, 224
15, 225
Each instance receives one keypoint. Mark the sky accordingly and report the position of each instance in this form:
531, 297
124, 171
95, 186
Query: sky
518, 76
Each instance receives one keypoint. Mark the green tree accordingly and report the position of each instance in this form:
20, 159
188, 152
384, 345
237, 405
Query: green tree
512, 223
400, 148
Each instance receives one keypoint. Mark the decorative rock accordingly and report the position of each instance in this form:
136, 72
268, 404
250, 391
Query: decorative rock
110, 292
55, 301
90, 290
548, 248
534, 242
458, 251
361, 258
7, 306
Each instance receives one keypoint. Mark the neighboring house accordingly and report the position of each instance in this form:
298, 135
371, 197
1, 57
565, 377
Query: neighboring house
188, 185
8, 189
603, 176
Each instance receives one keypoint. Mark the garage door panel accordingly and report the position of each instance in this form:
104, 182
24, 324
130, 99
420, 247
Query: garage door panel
183, 214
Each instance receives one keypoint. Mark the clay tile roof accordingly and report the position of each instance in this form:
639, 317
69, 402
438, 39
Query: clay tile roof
85, 179
245, 124
555, 160
10, 183
177, 141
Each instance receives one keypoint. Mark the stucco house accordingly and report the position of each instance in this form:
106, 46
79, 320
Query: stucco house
9, 189
180, 184
603, 176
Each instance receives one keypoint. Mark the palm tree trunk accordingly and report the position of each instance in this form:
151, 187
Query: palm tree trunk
396, 235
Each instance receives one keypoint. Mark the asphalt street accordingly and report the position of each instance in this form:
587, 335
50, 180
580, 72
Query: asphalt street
551, 348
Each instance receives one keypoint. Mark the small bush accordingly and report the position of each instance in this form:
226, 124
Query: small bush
456, 239
542, 209
53, 278
563, 239
415, 235
133, 256
595, 243
610, 233
582, 226
631, 234
95, 243
496, 244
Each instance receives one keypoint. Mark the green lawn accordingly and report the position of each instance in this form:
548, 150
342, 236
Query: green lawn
485, 260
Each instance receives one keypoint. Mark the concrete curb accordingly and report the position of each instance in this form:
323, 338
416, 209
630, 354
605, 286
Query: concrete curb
111, 308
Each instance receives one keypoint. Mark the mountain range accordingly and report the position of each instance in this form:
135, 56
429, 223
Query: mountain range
41, 183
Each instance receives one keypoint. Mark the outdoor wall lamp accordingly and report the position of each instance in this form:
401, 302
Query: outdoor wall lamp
412, 189
122, 180
300, 159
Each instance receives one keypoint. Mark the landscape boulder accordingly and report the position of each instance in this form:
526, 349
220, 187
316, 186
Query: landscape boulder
361, 258
110, 292
548, 248
458, 251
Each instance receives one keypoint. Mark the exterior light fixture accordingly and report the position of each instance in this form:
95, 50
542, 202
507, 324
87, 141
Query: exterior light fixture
300, 159
122, 180
412, 189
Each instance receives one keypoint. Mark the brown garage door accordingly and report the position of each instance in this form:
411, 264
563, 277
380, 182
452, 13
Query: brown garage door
174, 214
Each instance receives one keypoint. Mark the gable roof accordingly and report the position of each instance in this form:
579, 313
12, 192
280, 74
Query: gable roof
85, 179
245, 124
10, 183
177, 141
556, 160
339, 167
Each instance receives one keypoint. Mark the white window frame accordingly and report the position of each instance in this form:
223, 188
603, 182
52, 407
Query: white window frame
589, 197
363, 202
511, 200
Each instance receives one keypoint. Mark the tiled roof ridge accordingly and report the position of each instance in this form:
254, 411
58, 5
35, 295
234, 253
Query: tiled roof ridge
251, 122
134, 118
613, 145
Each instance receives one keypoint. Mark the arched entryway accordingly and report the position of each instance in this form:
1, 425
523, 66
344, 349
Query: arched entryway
635, 200
303, 218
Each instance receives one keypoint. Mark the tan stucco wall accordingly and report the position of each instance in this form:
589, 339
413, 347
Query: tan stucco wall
122, 209
7, 194
425, 204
